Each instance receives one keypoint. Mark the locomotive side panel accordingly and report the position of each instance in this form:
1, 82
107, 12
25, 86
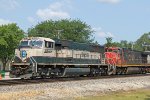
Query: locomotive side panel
132, 57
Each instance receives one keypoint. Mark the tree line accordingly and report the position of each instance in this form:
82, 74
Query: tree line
141, 44
75, 30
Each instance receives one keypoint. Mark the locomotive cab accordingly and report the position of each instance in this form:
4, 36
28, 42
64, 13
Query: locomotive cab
29, 52
113, 55
35, 46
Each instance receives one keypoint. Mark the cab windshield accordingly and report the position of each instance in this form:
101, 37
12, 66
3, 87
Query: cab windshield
24, 43
31, 43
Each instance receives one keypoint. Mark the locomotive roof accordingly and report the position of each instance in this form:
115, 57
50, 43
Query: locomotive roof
38, 38
146, 52
79, 46
113, 48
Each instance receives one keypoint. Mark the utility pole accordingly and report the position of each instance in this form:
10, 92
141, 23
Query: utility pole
58, 33
132, 45
145, 46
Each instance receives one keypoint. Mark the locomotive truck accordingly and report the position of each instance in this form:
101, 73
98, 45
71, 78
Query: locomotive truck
45, 57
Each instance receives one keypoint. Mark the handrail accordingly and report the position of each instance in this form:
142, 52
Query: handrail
34, 62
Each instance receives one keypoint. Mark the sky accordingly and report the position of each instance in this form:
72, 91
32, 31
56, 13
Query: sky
119, 19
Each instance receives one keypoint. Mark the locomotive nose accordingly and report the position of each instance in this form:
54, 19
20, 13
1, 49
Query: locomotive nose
23, 54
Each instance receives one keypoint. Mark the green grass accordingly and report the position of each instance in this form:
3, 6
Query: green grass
130, 95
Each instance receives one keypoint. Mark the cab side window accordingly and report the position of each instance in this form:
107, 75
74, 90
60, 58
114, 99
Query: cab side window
49, 44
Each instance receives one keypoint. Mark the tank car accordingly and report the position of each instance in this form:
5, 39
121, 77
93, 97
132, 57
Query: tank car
45, 57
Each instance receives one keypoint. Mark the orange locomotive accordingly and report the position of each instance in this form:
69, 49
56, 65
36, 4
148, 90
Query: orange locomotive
127, 60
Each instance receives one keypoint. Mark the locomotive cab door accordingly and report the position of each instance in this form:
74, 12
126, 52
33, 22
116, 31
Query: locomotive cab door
49, 47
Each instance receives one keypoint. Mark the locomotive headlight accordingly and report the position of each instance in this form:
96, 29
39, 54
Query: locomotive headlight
23, 54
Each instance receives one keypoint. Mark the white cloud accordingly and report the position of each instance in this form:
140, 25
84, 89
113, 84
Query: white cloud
31, 19
3, 22
109, 1
101, 34
56, 10
8, 4
109, 34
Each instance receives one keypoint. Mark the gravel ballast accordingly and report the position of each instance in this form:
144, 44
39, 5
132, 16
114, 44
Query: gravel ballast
72, 89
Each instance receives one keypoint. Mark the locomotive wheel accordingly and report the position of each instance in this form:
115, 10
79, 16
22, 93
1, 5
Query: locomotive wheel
143, 71
111, 70
121, 71
95, 72
33, 77
125, 70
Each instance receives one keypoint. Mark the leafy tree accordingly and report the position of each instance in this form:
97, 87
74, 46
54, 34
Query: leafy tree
75, 30
109, 42
122, 43
143, 43
10, 35
131, 45
126, 44
116, 44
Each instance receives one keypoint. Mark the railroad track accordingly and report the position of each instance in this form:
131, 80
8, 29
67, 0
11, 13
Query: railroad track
61, 79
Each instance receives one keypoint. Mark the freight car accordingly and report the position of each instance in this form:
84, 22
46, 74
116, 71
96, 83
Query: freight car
45, 57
